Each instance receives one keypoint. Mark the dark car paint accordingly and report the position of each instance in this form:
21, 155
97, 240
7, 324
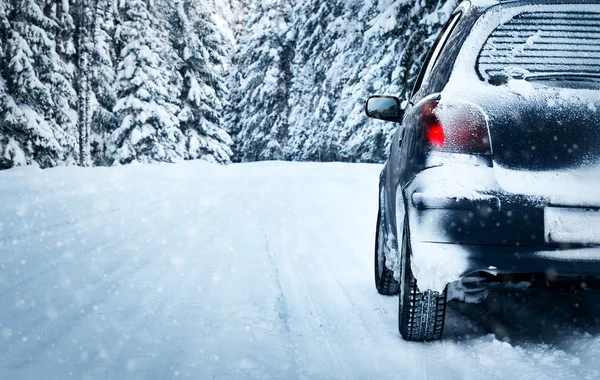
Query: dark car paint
407, 152
570, 135
504, 238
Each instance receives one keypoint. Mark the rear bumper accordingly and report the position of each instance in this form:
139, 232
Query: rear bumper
435, 264
464, 224
569, 262
448, 244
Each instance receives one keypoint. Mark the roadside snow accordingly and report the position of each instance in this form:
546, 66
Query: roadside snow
255, 271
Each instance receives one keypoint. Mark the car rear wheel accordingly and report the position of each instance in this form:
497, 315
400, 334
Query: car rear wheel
420, 314
384, 277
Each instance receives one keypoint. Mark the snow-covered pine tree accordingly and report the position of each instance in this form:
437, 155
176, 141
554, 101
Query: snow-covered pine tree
204, 49
263, 81
322, 26
64, 94
11, 118
94, 30
85, 42
103, 78
38, 117
240, 15
147, 94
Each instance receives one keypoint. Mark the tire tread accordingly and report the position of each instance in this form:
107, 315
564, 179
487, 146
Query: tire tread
388, 286
423, 320
422, 316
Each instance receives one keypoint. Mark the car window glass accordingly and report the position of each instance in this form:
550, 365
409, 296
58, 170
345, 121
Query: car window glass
558, 46
435, 51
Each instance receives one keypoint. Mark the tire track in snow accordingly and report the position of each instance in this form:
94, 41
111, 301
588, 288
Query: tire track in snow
281, 303
297, 287
366, 322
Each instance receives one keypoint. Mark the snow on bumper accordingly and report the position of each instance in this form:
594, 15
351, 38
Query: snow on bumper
435, 198
435, 265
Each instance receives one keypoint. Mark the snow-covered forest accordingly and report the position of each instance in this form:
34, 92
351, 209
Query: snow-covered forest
105, 82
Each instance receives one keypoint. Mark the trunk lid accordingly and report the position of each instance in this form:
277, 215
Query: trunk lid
540, 128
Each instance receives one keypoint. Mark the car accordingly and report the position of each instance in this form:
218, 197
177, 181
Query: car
493, 175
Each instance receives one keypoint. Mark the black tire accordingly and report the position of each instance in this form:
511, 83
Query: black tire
384, 278
420, 314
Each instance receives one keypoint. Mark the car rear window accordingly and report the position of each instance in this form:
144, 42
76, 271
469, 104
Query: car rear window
542, 43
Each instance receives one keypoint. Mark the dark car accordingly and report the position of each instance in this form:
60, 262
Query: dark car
493, 177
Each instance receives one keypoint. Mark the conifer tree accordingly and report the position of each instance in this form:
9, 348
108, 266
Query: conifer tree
204, 50
147, 96
321, 28
260, 97
85, 43
11, 117
38, 117
102, 79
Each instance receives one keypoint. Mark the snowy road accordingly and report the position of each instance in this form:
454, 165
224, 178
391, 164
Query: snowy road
248, 271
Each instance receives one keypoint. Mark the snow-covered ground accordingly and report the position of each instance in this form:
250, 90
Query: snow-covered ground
245, 271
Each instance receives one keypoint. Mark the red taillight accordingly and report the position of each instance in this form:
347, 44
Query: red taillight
459, 128
431, 128
435, 135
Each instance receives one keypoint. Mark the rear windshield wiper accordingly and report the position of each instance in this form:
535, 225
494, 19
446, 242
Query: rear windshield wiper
573, 77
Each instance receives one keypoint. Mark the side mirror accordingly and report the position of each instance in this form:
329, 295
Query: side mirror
386, 108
